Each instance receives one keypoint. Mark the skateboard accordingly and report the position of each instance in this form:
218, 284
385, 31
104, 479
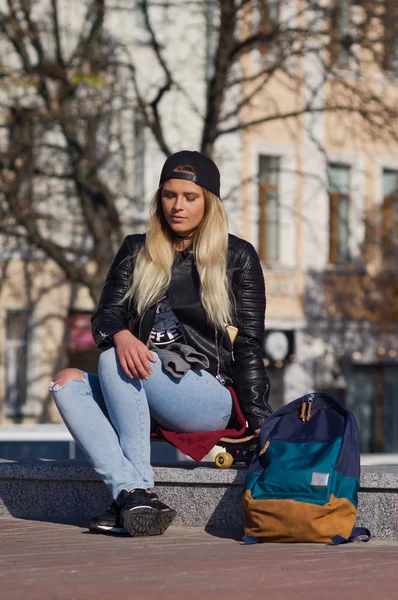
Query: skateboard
237, 450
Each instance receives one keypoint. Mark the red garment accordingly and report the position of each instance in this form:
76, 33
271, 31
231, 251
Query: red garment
197, 445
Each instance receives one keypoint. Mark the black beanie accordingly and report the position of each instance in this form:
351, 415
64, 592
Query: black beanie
207, 173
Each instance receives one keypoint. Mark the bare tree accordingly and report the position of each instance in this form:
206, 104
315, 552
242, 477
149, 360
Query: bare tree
333, 36
67, 91
60, 139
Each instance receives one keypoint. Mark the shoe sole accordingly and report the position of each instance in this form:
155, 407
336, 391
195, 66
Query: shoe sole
146, 521
106, 529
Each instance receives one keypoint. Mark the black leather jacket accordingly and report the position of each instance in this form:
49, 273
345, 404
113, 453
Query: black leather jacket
241, 365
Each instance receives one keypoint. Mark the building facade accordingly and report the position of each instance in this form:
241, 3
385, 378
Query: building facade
316, 198
321, 207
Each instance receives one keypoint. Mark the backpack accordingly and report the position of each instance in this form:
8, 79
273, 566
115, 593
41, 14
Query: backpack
302, 484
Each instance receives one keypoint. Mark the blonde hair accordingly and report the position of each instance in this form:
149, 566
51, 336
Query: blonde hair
152, 273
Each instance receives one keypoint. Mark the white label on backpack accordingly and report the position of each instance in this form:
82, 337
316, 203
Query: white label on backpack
319, 478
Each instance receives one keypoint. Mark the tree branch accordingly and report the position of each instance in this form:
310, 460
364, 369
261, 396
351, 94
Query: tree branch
56, 33
95, 14
157, 127
217, 84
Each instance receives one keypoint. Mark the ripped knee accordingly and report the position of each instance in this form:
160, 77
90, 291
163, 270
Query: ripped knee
64, 377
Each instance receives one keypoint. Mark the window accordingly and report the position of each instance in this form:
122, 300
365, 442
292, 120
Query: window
390, 217
339, 178
390, 59
16, 361
268, 243
269, 20
340, 34
371, 394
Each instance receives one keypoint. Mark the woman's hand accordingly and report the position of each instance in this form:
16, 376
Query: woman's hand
133, 355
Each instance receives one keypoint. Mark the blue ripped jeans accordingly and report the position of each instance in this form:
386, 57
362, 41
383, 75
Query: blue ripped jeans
109, 415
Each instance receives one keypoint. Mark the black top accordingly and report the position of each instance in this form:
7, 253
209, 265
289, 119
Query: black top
241, 365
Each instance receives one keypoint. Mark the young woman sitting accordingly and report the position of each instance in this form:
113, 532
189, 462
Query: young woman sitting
167, 355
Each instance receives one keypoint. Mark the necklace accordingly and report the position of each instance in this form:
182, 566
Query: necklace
184, 241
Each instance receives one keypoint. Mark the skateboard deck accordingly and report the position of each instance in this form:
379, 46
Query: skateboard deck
237, 451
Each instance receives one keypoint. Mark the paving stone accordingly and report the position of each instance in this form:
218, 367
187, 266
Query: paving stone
47, 561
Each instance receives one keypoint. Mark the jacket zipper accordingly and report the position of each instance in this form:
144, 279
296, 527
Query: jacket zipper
232, 345
140, 323
144, 313
219, 377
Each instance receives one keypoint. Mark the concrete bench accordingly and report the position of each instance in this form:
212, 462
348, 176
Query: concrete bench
71, 491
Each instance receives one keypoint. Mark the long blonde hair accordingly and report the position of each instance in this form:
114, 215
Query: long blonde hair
152, 273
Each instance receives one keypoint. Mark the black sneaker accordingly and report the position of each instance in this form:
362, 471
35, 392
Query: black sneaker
107, 522
143, 514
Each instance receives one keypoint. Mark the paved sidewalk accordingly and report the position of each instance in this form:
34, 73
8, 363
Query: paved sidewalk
49, 561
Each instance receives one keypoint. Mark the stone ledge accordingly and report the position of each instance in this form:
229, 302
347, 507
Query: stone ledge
372, 477
80, 470
380, 477
71, 491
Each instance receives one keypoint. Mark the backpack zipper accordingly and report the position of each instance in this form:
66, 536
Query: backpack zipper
306, 406
264, 448
309, 405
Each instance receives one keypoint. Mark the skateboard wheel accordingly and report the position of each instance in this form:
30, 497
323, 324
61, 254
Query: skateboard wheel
224, 460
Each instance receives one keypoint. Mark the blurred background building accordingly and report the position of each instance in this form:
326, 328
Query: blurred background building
295, 100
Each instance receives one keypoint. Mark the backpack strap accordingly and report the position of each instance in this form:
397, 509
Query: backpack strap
355, 534
250, 539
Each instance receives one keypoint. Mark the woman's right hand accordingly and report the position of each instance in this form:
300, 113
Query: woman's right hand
133, 355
